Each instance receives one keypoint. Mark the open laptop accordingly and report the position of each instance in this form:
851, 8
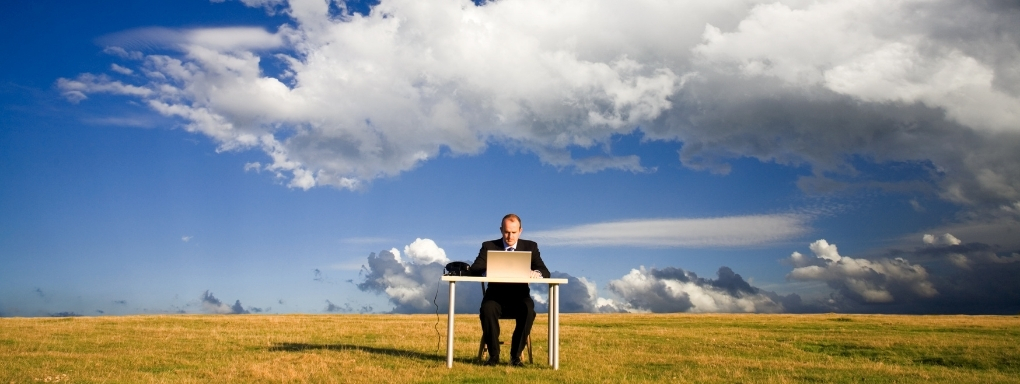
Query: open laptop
508, 264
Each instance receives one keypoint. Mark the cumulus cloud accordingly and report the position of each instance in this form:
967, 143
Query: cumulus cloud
676, 290
801, 83
706, 232
412, 282
945, 275
885, 54
945, 239
579, 295
965, 256
425, 251
872, 281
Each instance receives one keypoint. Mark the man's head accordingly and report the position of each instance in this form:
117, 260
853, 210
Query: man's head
511, 229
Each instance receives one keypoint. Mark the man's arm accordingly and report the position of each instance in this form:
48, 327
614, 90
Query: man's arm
536, 262
478, 267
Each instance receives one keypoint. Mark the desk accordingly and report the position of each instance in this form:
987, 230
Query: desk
554, 311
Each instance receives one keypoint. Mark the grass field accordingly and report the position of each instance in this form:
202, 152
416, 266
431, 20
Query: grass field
594, 348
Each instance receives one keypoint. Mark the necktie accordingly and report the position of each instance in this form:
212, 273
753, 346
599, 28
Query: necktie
511, 249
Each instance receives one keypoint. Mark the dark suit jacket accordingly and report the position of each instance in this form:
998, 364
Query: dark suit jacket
501, 291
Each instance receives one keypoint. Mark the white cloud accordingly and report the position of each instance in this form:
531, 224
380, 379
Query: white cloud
872, 281
413, 283
425, 251
123, 53
121, 70
367, 240
877, 57
976, 256
257, 3
224, 39
76, 90
368, 97
789, 81
233, 38
960, 260
676, 290
1001, 232
705, 232
945, 239
253, 166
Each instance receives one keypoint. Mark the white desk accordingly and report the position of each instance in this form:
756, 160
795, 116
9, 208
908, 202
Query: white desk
554, 311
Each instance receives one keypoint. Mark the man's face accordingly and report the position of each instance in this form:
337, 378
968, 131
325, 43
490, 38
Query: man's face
511, 231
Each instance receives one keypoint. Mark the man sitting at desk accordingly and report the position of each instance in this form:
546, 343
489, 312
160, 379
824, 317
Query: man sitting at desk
510, 300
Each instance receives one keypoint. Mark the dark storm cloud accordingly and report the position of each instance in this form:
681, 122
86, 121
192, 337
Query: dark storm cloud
237, 308
412, 286
65, 314
330, 307
942, 277
577, 296
827, 131
211, 304
673, 289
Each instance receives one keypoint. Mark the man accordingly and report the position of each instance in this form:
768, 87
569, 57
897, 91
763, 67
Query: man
505, 299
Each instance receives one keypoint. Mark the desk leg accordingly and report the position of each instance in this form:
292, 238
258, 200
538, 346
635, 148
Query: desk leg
556, 326
552, 304
449, 325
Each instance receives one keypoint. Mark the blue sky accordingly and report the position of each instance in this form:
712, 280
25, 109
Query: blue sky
312, 156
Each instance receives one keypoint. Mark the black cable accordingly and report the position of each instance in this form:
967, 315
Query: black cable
439, 336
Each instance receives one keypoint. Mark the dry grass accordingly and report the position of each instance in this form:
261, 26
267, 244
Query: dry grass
594, 348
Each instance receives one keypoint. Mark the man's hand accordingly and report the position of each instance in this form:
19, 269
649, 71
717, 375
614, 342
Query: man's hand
536, 275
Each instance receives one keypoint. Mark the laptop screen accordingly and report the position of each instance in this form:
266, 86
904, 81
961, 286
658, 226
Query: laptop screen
508, 264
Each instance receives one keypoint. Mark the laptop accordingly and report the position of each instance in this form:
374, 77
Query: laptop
508, 264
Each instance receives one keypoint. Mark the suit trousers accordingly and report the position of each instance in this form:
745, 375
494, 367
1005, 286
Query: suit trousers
520, 309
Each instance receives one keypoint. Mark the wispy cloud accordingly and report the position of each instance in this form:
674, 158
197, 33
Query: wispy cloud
732, 231
225, 38
348, 266
367, 240
120, 121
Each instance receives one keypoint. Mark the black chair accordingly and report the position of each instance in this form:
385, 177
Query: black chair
481, 343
